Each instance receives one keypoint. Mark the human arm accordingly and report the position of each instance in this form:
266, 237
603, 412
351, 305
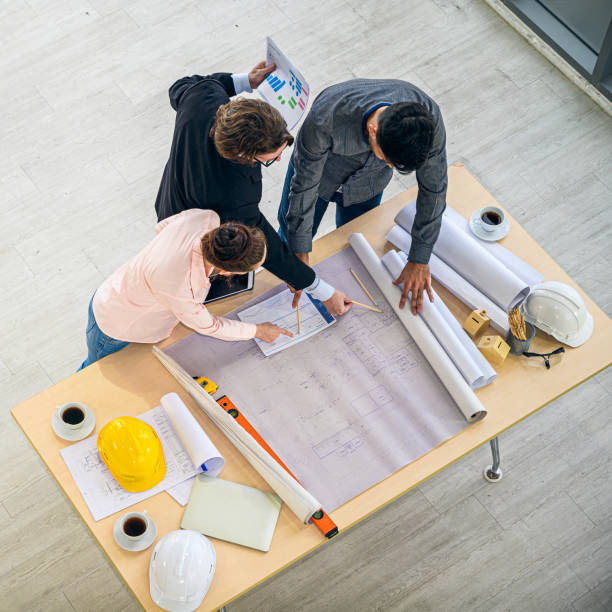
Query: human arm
334, 301
432, 182
179, 89
313, 144
232, 83
197, 317
431, 201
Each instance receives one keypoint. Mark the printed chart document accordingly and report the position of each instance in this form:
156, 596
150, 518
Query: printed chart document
285, 89
102, 493
277, 309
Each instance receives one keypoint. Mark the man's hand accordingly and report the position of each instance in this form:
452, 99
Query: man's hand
259, 73
298, 294
416, 278
338, 304
268, 332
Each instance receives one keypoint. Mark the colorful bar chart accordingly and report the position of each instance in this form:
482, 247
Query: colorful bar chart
275, 82
285, 89
295, 84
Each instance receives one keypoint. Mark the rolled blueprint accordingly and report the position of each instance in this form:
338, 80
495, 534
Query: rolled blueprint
467, 402
454, 282
472, 261
514, 263
469, 360
299, 500
197, 444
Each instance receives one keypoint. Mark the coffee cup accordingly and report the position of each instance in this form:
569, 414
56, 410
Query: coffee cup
135, 525
72, 415
491, 218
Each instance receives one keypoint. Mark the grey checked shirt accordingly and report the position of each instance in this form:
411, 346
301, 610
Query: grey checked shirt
332, 151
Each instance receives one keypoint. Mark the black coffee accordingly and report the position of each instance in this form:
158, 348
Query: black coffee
491, 218
73, 416
134, 526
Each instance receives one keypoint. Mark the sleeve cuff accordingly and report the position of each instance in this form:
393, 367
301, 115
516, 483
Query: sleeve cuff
420, 252
320, 290
299, 243
241, 83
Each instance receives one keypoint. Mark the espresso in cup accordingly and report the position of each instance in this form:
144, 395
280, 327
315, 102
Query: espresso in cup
73, 415
134, 526
491, 218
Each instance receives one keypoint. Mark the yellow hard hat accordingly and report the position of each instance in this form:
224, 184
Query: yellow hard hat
133, 453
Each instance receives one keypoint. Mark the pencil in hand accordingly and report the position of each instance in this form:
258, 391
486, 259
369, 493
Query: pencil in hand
298, 318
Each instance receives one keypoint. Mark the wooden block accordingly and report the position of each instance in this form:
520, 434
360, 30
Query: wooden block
494, 348
476, 322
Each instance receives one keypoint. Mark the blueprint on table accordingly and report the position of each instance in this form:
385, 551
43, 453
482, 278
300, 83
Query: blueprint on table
345, 408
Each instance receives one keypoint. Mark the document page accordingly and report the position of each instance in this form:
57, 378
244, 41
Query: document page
285, 89
102, 493
278, 309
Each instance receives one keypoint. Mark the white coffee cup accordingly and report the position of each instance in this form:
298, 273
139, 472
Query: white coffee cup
135, 525
491, 218
72, 415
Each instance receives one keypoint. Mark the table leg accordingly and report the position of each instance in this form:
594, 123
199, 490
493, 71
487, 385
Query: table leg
493, 472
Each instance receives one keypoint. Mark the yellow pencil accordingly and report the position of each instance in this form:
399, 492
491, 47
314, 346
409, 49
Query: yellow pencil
363, 287
298, 316
366, 306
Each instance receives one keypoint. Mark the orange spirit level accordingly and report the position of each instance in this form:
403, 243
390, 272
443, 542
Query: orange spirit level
320, 518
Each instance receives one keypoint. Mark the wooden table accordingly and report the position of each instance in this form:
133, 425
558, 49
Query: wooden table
133, 381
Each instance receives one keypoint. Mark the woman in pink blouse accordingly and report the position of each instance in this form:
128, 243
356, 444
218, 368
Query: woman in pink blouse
167, 282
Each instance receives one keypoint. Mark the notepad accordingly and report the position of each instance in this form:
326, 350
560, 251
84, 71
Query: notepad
232, 512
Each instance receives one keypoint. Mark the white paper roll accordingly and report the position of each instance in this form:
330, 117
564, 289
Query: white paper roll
451, 377
472, 261
469, 360
299, 500
454, 282
521, 268
201, 450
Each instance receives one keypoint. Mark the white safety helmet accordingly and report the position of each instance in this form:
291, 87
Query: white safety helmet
181, 570
558, 309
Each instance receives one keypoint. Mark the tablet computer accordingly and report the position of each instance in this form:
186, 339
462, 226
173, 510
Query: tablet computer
226, 286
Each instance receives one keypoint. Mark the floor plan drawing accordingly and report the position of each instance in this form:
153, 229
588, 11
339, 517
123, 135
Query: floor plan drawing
343, 409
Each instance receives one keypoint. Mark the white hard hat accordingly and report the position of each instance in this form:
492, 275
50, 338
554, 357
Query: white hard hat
181, 569
558, 309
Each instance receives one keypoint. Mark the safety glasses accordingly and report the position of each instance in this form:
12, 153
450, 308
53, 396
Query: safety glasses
554, 356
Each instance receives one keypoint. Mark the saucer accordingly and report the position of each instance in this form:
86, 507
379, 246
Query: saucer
476, 225
134, 545
72, 435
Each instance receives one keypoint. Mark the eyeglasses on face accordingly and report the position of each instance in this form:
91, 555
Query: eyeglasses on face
545, 356
266, 164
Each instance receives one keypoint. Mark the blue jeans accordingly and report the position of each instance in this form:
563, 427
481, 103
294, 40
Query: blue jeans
343, 214
98, 343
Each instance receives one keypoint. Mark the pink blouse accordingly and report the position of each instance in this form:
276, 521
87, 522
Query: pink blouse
165, 283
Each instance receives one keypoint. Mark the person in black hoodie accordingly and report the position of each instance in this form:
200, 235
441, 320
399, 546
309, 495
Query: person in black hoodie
218, 148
